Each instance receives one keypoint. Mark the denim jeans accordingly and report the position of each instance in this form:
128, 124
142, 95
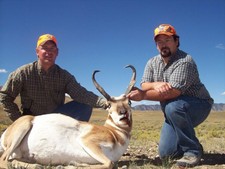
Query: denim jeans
79, 111
177, 134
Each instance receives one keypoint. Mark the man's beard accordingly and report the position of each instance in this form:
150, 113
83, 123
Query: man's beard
165, 52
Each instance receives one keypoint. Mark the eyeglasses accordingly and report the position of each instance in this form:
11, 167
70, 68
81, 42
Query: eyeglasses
162, 42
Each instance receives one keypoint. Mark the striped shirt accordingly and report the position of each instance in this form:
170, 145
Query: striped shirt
180, 72
42, 92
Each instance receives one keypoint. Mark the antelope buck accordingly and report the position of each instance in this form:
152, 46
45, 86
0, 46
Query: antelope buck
56, 139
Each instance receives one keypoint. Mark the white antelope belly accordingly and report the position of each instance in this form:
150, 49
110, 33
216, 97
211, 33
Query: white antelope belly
54, 141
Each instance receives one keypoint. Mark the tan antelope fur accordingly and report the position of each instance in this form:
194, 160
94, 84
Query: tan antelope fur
56, 139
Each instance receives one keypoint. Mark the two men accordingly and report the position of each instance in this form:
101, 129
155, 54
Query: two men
170, 77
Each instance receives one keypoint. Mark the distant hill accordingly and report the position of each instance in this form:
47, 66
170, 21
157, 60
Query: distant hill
218, 107
142, 107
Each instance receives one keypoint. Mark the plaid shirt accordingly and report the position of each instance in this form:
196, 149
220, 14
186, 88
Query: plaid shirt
181, 73
43, 92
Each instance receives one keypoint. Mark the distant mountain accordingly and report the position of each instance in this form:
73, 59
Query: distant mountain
218, 107
143, 107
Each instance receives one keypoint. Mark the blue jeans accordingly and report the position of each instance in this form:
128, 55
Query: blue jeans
177, 134
79, 111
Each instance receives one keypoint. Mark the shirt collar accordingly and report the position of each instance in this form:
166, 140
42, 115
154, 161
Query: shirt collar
41, 71
173, 57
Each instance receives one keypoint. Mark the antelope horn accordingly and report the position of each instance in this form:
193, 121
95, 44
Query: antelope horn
133, 79
99, 88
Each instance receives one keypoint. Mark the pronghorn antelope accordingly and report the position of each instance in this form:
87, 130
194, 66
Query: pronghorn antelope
56, 139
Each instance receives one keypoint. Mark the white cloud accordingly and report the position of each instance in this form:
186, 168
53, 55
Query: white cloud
223, 93
3, 71
220, 46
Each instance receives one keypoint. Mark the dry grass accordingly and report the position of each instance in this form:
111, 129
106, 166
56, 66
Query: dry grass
147, 126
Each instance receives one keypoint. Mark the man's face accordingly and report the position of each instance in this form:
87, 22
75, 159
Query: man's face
166, 45
47, 53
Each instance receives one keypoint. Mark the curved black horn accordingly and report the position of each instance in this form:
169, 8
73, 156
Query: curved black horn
99, 88
133, 79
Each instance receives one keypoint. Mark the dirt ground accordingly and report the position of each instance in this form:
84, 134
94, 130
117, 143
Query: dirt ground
147, 158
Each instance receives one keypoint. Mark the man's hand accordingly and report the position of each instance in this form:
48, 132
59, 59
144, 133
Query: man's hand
156, 91
163, 88
136, 94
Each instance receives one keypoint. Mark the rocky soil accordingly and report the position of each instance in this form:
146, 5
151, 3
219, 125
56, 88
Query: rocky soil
144, 158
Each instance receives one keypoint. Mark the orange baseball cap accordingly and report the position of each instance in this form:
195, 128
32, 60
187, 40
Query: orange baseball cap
164, 29
44, 38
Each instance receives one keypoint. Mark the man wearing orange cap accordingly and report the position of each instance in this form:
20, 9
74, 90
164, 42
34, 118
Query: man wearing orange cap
172, 78
42, 86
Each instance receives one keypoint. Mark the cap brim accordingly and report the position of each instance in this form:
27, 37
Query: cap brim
43, 42
164, 33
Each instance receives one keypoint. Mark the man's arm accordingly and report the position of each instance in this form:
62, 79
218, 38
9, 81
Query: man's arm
9, 106
155, 91
82, 95
8, 94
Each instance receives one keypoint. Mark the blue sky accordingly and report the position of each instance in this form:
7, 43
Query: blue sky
109, 34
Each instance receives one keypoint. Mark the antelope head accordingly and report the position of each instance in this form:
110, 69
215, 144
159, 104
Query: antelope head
119, 108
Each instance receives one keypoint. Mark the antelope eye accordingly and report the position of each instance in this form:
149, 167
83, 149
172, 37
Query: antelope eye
109, 106
129, 102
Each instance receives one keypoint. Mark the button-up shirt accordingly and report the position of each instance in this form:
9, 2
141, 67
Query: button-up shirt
180, 72
42, 92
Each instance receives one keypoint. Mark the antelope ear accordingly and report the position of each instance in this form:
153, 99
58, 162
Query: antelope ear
107, 105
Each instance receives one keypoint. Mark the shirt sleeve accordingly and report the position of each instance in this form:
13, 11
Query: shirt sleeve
8, 94
82, 95
148, 73
184, 75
